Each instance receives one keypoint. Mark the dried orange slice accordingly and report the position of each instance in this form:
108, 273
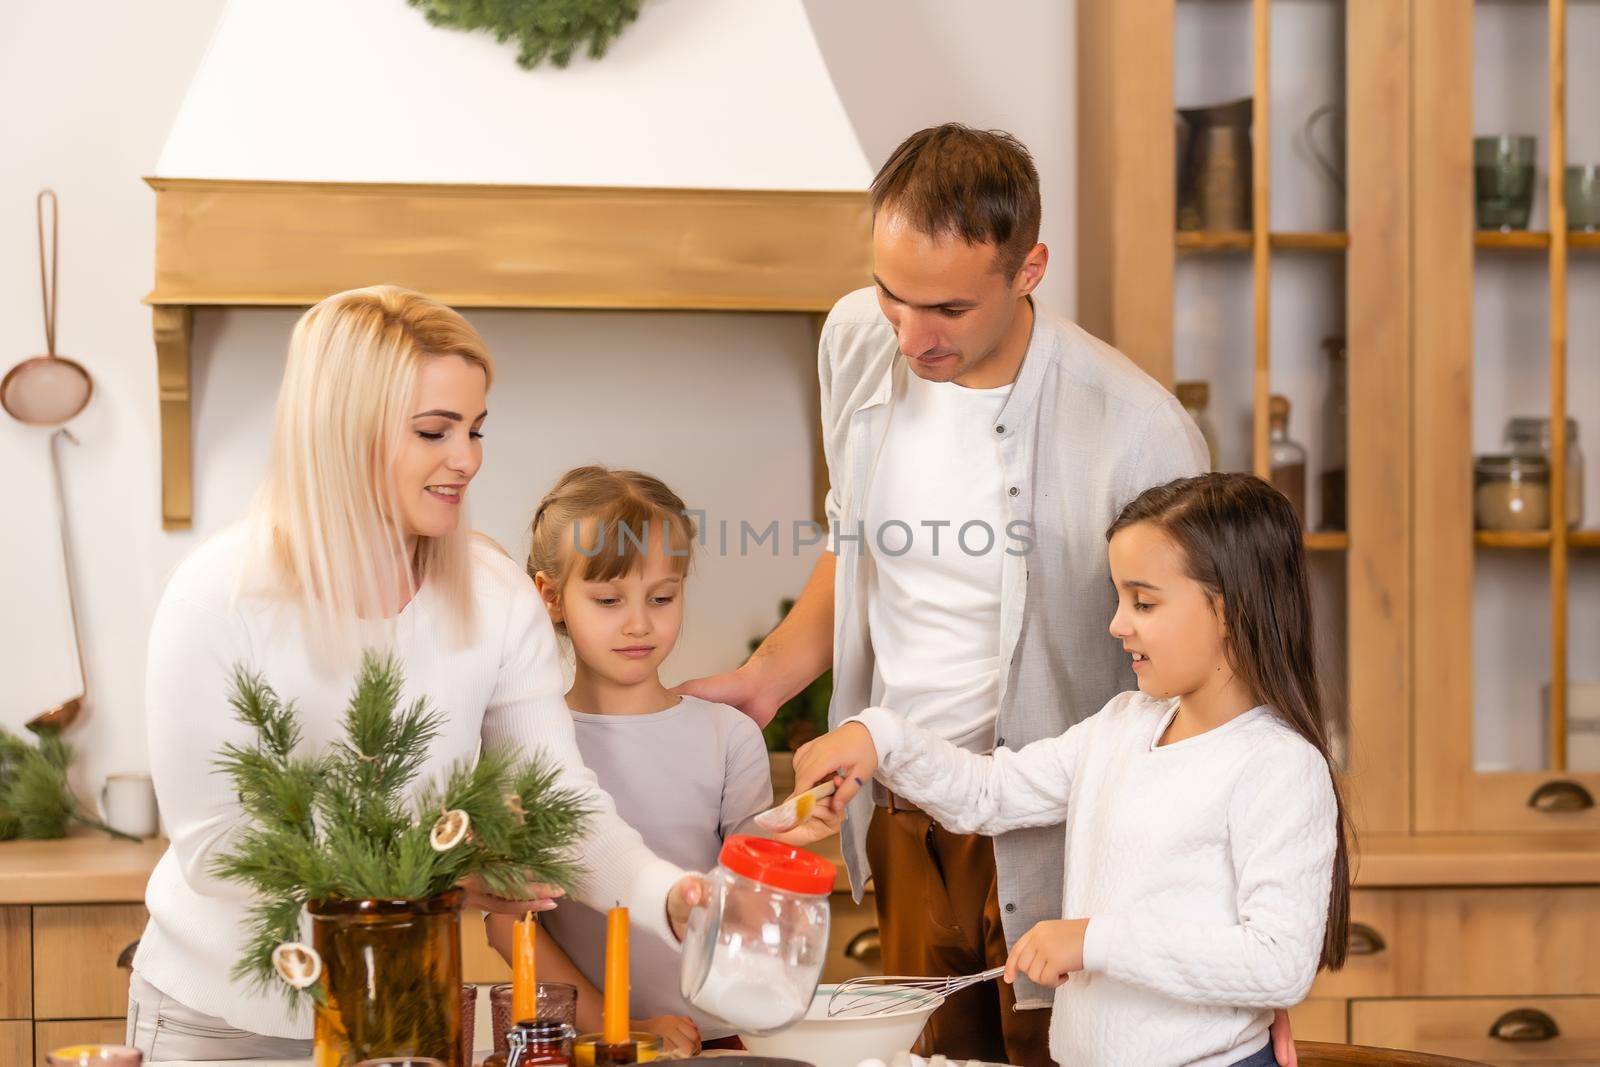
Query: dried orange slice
297, 964
449, 830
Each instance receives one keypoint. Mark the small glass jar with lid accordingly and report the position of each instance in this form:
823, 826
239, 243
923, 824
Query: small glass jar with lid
1530, 436
1512, 493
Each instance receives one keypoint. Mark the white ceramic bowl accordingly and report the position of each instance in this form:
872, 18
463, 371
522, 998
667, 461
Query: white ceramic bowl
844, 1041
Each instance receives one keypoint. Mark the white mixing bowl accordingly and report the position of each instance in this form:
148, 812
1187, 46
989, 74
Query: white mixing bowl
844, 1041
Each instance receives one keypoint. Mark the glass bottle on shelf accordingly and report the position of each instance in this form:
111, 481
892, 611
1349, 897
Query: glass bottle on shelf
1194, 396
1286, 459
1335, 430
1530, 436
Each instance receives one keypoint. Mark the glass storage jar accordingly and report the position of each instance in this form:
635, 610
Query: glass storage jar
752, 956
1530, 436
1512, 493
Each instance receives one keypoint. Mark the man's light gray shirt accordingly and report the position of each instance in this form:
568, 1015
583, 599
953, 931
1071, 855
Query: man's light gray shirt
1083, 433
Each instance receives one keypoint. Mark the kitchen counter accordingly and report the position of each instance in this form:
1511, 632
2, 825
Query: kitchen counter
87, 868
91, 868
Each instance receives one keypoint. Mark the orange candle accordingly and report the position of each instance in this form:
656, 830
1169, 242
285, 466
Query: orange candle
524, 971
615, 1028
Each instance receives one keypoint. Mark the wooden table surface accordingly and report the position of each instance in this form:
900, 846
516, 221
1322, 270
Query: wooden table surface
80, 869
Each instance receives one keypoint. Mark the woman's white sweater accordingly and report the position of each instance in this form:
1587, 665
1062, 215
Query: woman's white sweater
1203, 866
504, 687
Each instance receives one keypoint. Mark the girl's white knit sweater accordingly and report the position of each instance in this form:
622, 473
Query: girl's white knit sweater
1203, 866
504, 687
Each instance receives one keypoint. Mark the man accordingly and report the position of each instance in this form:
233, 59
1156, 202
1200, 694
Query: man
977, 450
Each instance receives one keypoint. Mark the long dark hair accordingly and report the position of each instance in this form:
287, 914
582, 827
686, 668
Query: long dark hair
1241, 540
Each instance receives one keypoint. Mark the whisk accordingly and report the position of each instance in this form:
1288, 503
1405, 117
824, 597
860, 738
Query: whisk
879, 994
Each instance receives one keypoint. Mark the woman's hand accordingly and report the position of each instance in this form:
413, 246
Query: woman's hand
538, 898
847, 752
1049, 953
686, 894
679, 1034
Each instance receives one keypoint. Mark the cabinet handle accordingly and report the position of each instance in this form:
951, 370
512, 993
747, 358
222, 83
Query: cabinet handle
1561, 796
865, 947
1524, 1024
1364, 941
125, 957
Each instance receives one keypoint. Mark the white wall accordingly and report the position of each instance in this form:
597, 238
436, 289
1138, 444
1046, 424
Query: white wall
695, 93
901, 65
717, 405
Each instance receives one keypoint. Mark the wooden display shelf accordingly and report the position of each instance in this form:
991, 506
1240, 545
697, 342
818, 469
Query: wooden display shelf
1534, 240
1327, 541
1534, 538
1239, 241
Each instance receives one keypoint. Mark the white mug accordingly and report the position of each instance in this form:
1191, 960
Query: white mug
128, 804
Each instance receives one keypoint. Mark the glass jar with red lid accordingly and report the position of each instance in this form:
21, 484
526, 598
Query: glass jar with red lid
753, 955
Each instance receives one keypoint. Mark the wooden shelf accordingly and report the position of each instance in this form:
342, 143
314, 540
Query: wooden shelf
1534, 539
1239, 241
1533, 240
1327, 541
289, 244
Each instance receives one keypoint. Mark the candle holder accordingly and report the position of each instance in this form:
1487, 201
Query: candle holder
469, 1020
558, 1002
94, 1056
589, 1049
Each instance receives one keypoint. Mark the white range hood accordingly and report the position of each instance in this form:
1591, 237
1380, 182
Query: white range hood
696, 94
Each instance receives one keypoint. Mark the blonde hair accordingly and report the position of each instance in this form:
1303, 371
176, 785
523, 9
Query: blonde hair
327, 517
597, 523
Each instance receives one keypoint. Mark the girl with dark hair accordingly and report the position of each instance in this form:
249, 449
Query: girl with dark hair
1207, 876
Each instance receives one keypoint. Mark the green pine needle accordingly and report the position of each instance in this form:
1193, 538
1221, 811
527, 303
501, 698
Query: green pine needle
550, 30
36, 798
343, 824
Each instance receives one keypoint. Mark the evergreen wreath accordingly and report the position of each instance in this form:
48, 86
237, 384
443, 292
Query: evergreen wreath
36, 799
339, 826
545, 29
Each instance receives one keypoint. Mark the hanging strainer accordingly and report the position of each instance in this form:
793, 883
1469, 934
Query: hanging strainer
48, 390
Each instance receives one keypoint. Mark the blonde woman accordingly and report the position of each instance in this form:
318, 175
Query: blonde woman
357, 537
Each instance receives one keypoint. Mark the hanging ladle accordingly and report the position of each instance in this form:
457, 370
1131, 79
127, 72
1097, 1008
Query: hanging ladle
48, 390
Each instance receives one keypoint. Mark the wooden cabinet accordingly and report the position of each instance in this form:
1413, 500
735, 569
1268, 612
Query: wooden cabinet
16, 963
16, 1042
1321, 1019
1439, 942
1544, 1030
1450, 652
76, 949
59, 1034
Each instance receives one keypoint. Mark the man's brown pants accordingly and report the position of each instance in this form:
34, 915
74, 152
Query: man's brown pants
939, 916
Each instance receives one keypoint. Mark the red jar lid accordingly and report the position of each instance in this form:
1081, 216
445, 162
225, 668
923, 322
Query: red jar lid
777, 865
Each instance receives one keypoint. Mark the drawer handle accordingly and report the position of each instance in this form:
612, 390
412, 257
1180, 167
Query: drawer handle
865, 947
1524, 1024
125, 957
1364, 941
1561, 796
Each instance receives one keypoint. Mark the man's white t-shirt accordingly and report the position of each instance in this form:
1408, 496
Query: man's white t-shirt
936, 535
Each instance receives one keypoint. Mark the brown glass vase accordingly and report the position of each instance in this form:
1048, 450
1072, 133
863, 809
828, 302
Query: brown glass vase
392, 974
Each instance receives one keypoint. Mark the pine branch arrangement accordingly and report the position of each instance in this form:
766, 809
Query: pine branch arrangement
546, 30
36, 799
340, 826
